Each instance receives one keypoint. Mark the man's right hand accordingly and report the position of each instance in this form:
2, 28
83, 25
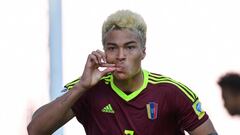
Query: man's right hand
91, 74
47, 118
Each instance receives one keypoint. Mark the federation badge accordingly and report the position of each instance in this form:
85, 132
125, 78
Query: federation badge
152, 109
198, 109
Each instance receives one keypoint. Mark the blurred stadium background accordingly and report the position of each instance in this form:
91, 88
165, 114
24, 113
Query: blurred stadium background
44, 44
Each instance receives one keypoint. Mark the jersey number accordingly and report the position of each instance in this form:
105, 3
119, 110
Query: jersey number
128, 132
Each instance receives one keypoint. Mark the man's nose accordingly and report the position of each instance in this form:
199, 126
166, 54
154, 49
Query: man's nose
121, 55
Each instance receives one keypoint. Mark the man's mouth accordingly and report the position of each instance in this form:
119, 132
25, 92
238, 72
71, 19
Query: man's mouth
119, 68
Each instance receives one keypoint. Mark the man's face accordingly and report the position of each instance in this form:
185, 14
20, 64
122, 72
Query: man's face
231, 102
123, 48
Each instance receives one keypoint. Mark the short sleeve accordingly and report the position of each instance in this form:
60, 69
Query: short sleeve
189, 114
80, 109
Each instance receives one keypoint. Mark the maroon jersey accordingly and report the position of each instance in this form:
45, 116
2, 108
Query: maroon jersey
162, 106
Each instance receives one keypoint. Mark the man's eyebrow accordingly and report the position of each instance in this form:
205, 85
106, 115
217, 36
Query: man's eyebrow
113, 44
130, 42
127, 43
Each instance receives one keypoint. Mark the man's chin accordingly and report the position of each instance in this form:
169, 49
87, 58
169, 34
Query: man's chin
233, 113
120, 76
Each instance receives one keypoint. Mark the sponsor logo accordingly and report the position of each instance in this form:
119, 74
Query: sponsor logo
108, 109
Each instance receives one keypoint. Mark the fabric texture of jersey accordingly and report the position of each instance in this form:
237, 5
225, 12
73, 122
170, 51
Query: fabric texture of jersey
162, 106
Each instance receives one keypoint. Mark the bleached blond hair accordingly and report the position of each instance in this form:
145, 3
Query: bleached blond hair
125, 19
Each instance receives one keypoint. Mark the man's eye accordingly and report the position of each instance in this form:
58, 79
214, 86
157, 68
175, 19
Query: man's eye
111, 48
131, 47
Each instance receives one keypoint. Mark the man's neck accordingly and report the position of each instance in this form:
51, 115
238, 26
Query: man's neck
131, 84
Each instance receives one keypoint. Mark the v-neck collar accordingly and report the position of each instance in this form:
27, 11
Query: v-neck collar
131, 96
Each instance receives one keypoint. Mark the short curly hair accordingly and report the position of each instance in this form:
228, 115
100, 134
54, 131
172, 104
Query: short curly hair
230, 80
125, 19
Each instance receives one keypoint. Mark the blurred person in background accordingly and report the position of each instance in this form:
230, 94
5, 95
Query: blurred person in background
122, 98
230, 87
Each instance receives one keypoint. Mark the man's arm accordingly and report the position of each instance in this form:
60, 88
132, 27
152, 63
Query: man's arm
206, 128
52, 116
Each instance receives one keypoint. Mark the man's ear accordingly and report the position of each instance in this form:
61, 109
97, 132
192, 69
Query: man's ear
143, 52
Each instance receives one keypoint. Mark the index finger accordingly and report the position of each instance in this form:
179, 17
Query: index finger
103, 56
106, 65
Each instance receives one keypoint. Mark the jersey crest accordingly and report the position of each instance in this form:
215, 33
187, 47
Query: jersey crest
152, 110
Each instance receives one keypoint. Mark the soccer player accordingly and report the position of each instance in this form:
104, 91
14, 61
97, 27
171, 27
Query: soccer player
124, 99
230, 86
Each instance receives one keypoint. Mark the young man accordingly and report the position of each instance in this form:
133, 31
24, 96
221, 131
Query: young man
124, 99
230, 86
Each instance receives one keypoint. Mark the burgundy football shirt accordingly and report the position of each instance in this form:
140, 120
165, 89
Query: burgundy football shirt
162, 106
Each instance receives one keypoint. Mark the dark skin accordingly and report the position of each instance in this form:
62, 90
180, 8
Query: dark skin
231, 100
123, 55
